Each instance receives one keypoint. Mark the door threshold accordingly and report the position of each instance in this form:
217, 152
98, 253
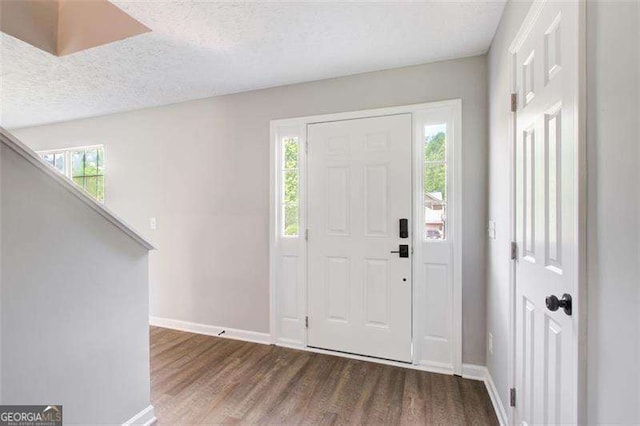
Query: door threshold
446, 370
357, 356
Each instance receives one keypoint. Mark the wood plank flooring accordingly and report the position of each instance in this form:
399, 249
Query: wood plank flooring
199, 379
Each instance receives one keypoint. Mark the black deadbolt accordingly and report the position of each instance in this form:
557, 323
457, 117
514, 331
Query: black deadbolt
404, 228
403, 250
553, 303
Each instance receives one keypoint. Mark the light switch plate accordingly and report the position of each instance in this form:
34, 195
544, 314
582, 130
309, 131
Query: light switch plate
153, 223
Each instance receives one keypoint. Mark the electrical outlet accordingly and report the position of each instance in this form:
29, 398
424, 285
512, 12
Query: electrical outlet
490, 344
153, 223
491, 230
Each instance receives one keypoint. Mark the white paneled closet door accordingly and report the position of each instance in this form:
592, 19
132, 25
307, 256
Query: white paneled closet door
547, 217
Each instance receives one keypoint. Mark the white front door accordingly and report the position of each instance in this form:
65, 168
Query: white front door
359, 188
546, 217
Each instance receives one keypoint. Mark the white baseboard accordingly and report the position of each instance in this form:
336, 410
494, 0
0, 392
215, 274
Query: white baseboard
498, 406
290, 343
145, 417
436, 367
211, 330
474, 372
479, 372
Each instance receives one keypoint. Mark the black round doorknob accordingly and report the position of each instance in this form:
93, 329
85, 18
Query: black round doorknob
553, 303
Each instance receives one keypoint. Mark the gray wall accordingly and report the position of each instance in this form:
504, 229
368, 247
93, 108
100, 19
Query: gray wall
613, 117
1, 296
74, 311
613, 90
498, 263
202, 168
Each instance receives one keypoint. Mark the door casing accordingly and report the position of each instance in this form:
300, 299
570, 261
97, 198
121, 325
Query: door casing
294, 335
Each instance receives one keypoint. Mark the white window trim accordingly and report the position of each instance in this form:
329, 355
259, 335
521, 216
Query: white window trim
295, 247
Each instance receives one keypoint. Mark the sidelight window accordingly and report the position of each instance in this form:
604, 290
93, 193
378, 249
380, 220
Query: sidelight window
435, 181
290, 189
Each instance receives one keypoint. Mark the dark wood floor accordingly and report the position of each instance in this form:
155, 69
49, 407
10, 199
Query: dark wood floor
199, 379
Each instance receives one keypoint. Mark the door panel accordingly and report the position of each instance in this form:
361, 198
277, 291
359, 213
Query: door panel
546, 147
359, 180
376, 292
375, 200
337, 184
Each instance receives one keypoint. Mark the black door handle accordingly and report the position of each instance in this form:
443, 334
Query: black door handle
403, 250
553, 303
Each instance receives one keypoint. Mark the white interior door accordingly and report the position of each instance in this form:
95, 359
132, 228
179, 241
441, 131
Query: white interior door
359, 187
546, 217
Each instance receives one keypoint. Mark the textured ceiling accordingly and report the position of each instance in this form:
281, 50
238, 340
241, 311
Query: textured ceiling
201, 48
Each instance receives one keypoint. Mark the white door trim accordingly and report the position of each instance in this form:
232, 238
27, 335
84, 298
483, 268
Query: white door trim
298, 126
580, 312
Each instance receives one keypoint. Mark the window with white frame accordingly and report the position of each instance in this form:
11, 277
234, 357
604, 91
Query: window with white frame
435, 181
84, 166
290, 186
